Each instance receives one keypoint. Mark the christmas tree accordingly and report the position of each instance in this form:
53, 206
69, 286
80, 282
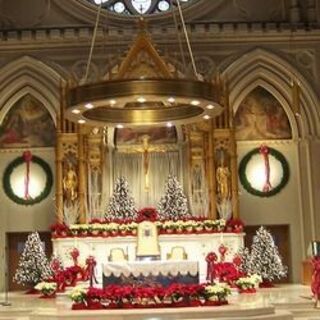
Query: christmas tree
121, 204
244, 255
173, 204
33, 265
264, 258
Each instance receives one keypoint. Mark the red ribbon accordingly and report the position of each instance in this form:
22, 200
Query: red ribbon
27, 157
89, 272
264, 151
210, 259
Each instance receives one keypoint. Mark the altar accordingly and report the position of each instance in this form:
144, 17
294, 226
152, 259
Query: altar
151, 273
195, 246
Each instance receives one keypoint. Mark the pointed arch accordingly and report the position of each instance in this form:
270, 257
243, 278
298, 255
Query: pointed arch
262, 68
29, 75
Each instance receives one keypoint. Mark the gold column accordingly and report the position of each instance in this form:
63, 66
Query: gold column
81, 176
234, 175
59, 158
211, 174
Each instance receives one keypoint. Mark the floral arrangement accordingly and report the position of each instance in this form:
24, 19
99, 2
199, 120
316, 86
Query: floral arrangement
147, 214
248, 284
235, 225
78, 295
129, 228
226, 272
59, 229
176, 295
47, 289
217, 292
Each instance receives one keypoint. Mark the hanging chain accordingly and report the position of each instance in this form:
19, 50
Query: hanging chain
187, 40
84, 80
179, 37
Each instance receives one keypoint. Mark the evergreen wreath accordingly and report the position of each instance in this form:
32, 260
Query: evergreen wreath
245, 182
7, 184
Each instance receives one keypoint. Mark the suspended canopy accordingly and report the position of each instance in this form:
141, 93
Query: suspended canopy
143, 92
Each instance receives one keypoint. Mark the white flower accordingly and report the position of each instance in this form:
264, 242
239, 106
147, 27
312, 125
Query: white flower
46, 287
78, 293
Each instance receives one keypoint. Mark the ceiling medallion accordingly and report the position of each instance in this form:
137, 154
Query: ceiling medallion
138, 96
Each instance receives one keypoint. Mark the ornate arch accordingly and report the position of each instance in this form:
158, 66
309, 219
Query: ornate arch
29, 75
262, 68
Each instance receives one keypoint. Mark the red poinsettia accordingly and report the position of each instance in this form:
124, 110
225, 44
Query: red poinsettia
235, 225
59, 229
147, 214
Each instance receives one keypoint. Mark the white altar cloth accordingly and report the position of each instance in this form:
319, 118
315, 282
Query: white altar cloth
146, 268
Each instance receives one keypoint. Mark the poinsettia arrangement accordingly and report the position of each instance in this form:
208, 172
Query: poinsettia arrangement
181, 295
248, 284
46, 288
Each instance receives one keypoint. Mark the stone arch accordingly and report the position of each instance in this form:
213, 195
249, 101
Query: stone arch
29, 75
262, 68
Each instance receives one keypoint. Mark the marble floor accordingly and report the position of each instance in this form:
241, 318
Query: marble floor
283, 302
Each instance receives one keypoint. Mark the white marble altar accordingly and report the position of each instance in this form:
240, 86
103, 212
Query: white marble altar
196, 246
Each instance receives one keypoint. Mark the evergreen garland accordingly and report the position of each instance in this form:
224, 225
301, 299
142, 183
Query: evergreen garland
173, 205
7, 184
264, 258
121, 204
33, 265
245, 182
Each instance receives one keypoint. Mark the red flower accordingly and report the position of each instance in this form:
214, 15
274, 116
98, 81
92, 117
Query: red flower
147, 214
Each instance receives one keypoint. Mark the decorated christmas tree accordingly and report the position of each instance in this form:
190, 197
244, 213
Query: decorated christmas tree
173, 204
244, 255
121, 204
33, 265
264, 258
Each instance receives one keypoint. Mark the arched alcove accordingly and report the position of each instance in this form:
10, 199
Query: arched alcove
262, 68
28, 75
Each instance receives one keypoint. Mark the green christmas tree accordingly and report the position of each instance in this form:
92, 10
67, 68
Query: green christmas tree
264, 258
173, 205
33, 265
121, 204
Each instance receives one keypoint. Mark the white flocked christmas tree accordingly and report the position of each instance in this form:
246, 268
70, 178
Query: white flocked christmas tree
121, 204
244, 254
33, 265
265, 259
173, 205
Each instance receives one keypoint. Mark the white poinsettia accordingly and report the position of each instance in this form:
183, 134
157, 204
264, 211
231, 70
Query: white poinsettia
46, 287
249, 282
219, 291
78, 294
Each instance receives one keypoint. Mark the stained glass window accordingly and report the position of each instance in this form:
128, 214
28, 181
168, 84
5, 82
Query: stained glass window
137, 7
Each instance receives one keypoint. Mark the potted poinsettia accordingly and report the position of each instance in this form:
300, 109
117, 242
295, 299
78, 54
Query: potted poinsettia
248, 284
78, 296
47, 289
217, 294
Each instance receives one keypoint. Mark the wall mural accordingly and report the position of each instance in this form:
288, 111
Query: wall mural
260, 116
28, 124
159, 135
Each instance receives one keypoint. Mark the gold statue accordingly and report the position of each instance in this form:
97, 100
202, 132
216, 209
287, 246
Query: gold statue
70, 184
222, 177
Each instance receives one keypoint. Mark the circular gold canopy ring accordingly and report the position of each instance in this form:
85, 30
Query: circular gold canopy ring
142, 102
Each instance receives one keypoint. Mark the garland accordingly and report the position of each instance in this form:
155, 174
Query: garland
245, 182
8, 188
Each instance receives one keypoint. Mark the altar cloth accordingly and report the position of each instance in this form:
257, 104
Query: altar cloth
151, 272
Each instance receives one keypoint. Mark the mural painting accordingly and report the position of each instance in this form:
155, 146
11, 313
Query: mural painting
28, 124
260, 116
158, 135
